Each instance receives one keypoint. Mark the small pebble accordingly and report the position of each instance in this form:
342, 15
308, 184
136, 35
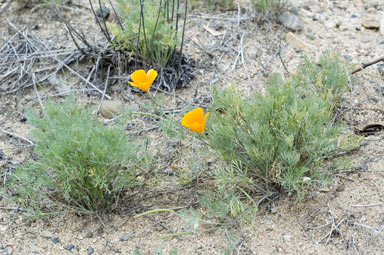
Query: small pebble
373, 99
90, 250
23, 119
346, 56
102, 12
70, 247
365, 39
354, 16
340, 188
89, 235
380, 69
294, 10
124, 237
55, 240
357, 28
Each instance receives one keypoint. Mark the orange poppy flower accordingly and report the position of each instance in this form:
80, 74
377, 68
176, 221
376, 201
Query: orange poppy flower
195, 120
143, 80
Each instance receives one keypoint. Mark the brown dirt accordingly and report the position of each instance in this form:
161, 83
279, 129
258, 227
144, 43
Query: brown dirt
345, 217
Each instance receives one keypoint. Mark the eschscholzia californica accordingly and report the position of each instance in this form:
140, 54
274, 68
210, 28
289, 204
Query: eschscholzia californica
143, 80
195, 120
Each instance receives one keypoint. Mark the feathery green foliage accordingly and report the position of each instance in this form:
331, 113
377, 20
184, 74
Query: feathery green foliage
80, 163
277, 141
266, 6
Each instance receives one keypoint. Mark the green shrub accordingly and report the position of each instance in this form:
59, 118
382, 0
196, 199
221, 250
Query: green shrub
80, 163
155, 25
278, 141
327, 78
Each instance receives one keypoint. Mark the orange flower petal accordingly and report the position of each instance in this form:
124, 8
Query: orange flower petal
139, 76
151, 74
195, 120
143, 80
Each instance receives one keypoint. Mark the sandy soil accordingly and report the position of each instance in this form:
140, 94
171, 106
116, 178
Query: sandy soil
346, 217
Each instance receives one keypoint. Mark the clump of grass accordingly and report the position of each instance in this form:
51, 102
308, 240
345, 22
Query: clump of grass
79, 163
149, 29
267, 6
278, 141
212, 4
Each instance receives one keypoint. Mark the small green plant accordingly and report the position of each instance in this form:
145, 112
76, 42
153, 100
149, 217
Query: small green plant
212, 4
277, 141
267, 6
149, 29
79, 163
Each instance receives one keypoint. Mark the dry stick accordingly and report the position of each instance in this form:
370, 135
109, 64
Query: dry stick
6, 7
281, 59
17, 136
17, 209
365, 65
105, 89
243, 62
117, 16
157, 21
369, 205
144, 33
37, 93
182, 38
82, 78
105, 25
97, 20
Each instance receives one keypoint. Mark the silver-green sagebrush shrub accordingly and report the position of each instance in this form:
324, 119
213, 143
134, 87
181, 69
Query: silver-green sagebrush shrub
79, 162
278, 141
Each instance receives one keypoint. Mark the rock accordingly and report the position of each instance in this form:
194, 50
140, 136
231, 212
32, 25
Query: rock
89, 235
102, 12
365, 39
70, 247
340, 187
291, 21
294, 10
354, 16
90, 251
380, 69
310, 36
329, 24
61, 87
286, 237
55, 240
370, 23
113, 18
371, 4
339, 23
110, 108
382, 25
295, 42
124, 237
371, 10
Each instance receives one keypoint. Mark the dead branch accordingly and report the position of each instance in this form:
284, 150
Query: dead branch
365, 65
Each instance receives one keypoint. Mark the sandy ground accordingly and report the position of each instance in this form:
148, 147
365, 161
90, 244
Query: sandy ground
346, 217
